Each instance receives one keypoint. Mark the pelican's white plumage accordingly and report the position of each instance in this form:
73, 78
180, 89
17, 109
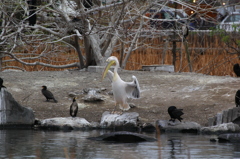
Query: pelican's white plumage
121, 89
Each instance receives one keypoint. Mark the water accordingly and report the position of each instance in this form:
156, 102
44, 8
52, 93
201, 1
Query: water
27, 144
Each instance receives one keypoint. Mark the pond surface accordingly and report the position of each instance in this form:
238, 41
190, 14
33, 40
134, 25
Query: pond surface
17, 144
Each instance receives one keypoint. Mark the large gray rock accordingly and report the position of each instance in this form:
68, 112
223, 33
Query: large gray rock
226, 116
123, 136
65, 123
125, 121
169, 126
233, 137
221, 128
12, 113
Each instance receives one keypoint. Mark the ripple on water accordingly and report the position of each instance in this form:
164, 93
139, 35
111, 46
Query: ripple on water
74, 144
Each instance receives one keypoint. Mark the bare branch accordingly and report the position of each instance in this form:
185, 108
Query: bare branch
41, 63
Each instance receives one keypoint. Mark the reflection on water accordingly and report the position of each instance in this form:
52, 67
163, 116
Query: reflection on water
74, 144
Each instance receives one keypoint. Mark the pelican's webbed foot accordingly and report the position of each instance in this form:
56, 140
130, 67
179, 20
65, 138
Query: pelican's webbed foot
117, 112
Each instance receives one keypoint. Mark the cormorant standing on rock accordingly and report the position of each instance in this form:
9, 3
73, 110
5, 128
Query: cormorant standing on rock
175, 113
1, 84
236, 69
48, 94
74, 108
237, 98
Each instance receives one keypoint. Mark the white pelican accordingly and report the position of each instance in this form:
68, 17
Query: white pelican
121, 89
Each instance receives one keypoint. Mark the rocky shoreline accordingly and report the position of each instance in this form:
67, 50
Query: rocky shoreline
201, 97
121, 124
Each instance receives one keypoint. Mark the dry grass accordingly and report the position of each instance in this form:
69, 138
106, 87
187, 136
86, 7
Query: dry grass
208, 56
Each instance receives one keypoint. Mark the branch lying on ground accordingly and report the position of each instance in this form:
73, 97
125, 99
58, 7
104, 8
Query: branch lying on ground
41, 63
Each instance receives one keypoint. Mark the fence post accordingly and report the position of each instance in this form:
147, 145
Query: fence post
188, 56
165, 48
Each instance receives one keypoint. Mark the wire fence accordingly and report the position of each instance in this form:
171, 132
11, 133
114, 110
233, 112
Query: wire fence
212, 53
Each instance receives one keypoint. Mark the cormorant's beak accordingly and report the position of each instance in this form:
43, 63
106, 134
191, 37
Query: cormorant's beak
107, 68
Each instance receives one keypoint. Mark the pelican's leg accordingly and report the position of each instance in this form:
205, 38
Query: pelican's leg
114, 110
121, 112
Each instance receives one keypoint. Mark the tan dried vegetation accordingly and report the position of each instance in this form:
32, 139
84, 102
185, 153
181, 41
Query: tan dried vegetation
208, 55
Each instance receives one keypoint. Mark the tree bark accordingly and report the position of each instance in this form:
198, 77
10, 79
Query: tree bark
132, 45
80, 56
95, 45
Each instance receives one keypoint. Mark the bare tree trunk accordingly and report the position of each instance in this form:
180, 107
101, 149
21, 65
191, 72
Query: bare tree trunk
121, 53
88, 51
111, 46
174, 40
174, 52
96, 50
80, 57
132, 45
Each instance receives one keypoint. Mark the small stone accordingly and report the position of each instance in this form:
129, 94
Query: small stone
72, 94
132, 105
206, 109
213, 140
110, 93
93, 98
103, 89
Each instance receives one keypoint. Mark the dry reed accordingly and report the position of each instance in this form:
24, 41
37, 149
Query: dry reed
208, 56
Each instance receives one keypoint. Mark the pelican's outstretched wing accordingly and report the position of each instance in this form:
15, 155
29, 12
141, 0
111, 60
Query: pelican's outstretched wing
132, 88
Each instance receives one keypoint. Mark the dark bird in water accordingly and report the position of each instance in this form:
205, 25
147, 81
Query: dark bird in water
237, 98
74, 108
48, 94
175, 113
236, 69
1, 84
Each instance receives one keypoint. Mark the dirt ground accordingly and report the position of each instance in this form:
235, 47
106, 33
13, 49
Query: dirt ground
200, 96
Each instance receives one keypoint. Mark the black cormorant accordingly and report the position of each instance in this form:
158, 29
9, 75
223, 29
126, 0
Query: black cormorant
48, 94
237, 98
32, 12
175, 113
1, 84
74, 108
236, 69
